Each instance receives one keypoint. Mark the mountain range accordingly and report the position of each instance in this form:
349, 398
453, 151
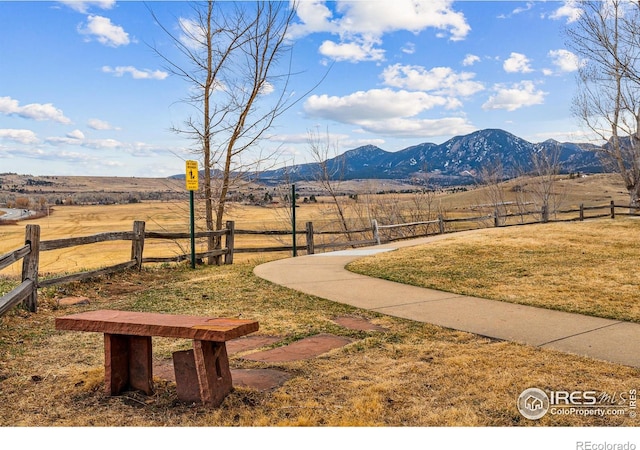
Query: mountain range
457, 161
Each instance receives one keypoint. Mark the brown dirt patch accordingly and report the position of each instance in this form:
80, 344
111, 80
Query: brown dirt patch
71, 301
260, 379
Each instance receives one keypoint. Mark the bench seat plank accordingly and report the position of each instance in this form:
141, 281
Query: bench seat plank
156, 324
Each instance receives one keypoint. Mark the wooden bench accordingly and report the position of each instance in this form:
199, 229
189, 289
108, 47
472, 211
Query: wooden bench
202, 374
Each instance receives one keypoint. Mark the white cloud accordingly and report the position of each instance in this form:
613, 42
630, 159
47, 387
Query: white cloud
375, 104
351, 51
419, 128
20, 136
360, 25
376, 18
518, 10
314, 17
470, 60
267, 88
104, 31
191, 34
517, 63
102, 144
303, 138
387, 112
77, 138
514, 97
97, 124
136, 74
84, 5
522, 9
63, 141
565, 60
570, 11
440, 80
76, 134
354, 143
409, 48
36, 111
66, 156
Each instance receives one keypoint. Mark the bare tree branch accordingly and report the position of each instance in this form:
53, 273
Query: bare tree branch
607, 36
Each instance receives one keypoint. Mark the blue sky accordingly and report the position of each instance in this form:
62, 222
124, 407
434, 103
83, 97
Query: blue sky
82, 92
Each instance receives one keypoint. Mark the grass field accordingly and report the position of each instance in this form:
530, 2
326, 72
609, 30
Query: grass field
410, 375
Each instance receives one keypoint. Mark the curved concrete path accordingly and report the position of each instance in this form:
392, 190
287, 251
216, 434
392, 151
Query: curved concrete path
324, 275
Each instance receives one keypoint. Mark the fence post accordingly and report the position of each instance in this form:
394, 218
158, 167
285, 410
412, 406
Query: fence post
293, 220
376, 231
30, 265
310, 244
581, 212
137, 243
613, 210
230, 241
441, 223
496, 218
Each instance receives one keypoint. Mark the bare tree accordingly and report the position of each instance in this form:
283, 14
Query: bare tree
545, 168
491, 177
607, 36
329, 175
230, 52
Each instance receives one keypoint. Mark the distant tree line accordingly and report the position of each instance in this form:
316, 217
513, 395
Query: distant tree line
37, 201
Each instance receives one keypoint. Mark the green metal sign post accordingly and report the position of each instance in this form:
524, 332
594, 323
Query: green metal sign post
293, 218
192, 185
193, 234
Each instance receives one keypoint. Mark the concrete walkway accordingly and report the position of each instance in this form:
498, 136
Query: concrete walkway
324, 275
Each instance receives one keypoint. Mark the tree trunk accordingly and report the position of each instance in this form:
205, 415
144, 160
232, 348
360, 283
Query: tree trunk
634, 198
208, 86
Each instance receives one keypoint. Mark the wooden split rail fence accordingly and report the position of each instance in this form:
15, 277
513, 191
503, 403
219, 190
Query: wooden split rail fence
26, 293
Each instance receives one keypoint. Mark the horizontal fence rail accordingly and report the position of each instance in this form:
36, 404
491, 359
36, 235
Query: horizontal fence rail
14, 256
93, 239
29, 253
16, 296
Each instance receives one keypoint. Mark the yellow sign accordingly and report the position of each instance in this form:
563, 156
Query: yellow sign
192, 175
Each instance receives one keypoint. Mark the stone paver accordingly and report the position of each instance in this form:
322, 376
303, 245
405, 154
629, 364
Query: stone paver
250, 343
357, 323
300, 350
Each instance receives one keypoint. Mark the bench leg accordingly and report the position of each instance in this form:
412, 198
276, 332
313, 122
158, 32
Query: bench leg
127, 363
203, 374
